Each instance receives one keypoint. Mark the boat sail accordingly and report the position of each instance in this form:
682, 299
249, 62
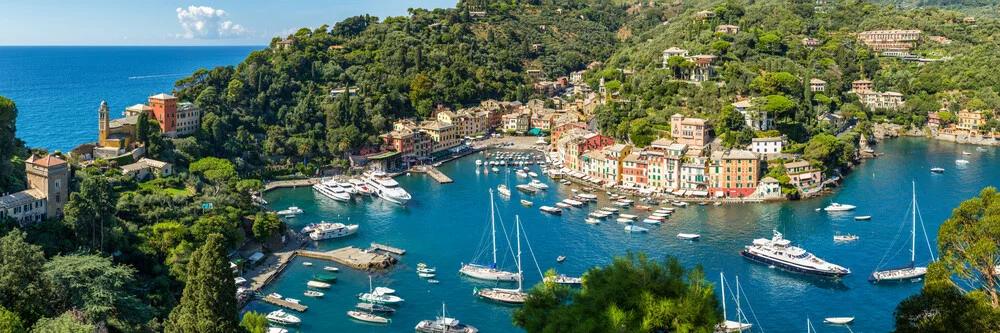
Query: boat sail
510, 296
729, 325
908, 272
489, 272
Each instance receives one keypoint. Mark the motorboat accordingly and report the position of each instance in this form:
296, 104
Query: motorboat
563, 279
600, 214
981, 149
588, 196
961, 161
838, 320
503, 190
312, 293
573, 203
560, 258
488, 271
526, 189
679, 203
326, 230
331, 269
422, 268
307, 264
532, 174
387, 188
628, 216
274, 295
836, 207
663, 215
292, 300
845, 238
379, 298
651, 221
937, 170
283, 318
374, 308
347, 187
591, 220
443, 324
361, 188
291, 211
479, 162
368, 317
308, 228
645, 208
657, 218
433, 281
538, 184
526, 202
966, 153
332, 190
318, 285
688, 236
425, 275
276, 330
610, 209
862, 218
635, 228
324, 277
521, 174
550, 210
717, 203
622, 204
563, 205
779, 252
624, 220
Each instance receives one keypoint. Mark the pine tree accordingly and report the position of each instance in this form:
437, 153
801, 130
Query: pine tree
142, 128
208, 304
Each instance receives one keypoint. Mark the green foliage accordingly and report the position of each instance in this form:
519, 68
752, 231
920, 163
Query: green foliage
91, 211
829, 151
23, 289
11, 171
968, 242
209, 301
254, 322
142, 128
10, 322
266, 225
69, 322
632, 293
96, 286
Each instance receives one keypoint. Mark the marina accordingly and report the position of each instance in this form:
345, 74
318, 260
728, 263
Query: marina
435, 230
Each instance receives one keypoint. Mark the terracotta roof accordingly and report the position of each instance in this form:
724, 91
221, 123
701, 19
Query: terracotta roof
768, 180
797, 164
162, 96
47, 161
743, 104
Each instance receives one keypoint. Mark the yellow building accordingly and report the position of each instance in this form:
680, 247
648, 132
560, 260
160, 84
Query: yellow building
119, 133
970, 122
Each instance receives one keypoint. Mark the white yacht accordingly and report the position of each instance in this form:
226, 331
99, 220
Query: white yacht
361, 188
378, 296
510, 296
489, 272
291, 211
779, 252
503, 190
348, 187
443, 324
538, 184
326, 230
283, 318
836, 207
387, 188
332, 190
961, 161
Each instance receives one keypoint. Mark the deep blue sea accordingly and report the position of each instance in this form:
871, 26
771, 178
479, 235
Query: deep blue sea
443, 226
58, 89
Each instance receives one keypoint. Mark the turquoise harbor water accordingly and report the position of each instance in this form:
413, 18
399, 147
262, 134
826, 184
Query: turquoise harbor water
58, 88
443, 226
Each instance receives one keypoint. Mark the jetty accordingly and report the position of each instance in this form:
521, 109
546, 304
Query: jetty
433, 172
285, 304
387, 248
353, 257
290, 183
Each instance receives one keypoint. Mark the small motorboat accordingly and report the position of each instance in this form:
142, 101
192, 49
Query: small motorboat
479, 162
368, 317
961, 161
274, 295
688, 236
331, 269
433, 281
561, 259
981, 149
628, 216
651, 221
425, 275
624, 220
290, 212
966, 153
641, 207
845, 238
495, 169
635, 228
937, 170
292, 300
312, 293
521, 174
283, 318
324, 277
551, 210
717, 203
563, 205
307, 264
836, 207
679, 203
384, 290
318, 285
599, 214
610, 209
862, 218
503, 190
573, 203
374, 308
533, 174
702, 203
839, 320
526, 202
622, 204
526, 189
591, 220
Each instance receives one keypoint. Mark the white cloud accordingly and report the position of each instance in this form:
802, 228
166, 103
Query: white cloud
202, 22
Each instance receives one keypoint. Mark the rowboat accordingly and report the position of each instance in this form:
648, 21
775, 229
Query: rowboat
839, 320
688, 236
651, 221
862, 218
318, 285
368, 317
526, 202
635, 228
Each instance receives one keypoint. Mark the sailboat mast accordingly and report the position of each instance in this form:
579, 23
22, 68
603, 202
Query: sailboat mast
739, 310
913, 231
722, 281
493, 227
517, 233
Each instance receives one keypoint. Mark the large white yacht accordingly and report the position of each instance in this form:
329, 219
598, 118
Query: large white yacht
332, 190
779, 252
386, 187
326, 230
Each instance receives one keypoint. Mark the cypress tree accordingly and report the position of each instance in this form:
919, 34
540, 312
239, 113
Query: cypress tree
208, 304
142, 128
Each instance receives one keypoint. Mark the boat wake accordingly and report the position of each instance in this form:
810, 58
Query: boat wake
155, 76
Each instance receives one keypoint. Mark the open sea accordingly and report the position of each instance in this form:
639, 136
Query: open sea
444, 226
59, 88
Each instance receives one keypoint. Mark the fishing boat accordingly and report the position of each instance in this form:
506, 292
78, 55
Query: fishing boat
488, 272
688, 236
779, 252
378, 298
374, 308
312, 293
961, 161
368, 317
560, 258
836, 207
635, 228
443, 324
291, 211
331, 269
591, 220
318, 285
283, 318
510, 296
550, 210
838, 320
937, 170
911, 271
563, 279
845, 238
526, 202
503, 190
323, 231
730, 325
324, 277
862, 218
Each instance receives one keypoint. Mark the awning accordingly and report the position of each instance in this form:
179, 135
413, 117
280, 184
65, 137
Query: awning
679, 192
535, 131
698, 193
719, 194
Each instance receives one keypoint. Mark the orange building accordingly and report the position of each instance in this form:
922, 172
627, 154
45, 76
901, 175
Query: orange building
165, 112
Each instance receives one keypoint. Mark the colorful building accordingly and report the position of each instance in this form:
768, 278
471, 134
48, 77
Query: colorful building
970, 122
734, 173
47, 193
689, 131
802, 174
119, 133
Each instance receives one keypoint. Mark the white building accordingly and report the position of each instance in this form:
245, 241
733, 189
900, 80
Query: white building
766, 146
756, 120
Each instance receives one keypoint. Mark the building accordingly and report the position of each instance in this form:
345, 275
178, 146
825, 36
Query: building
693, 175
934, 120
889, 40
47, 193
284, 44
536, 73
689, 131
802, 174
769, 188
146, 167
611, 168
409, 140
442, 136
517, 122
165, 112
669, 173
970, 122
881, 100
188, 119
756, 120
703, 69
704, 15
119, 133
816, 85
673, 52
810, 42
576, 77
558, 130
728, 29
543, 119
635, 167
862, 85
940, 39
767, 146
734, 173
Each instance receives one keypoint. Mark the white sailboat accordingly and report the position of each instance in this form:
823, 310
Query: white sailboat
375, 297
510, 296
908, 272
489, 272
729, 325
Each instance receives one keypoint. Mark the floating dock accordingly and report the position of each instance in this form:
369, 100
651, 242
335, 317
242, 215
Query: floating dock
353, 257
433, 172
387, 248
285, 304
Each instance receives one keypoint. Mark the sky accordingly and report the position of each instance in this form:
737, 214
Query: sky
167, 22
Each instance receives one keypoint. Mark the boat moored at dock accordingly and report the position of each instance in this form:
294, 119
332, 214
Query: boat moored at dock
386, 187
550, 210
326, 230
283, 318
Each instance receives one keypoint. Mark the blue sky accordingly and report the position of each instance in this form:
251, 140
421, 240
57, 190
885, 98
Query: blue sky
156, 22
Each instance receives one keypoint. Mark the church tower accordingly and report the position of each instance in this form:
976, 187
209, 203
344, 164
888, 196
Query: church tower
104, 118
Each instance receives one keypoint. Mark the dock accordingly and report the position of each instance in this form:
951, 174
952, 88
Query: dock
353, 257
433, 172
387, 248
285, 304
290, 183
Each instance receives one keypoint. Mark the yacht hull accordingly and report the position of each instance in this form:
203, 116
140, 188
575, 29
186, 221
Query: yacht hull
790, 267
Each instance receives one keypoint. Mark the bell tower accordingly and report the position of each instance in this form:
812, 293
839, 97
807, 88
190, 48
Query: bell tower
104, 115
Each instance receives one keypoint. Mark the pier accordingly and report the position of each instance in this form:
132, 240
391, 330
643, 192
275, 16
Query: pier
353, 257
387, 248
285, 304
290, 183
433, 172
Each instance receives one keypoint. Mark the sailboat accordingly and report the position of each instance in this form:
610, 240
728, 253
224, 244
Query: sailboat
489, 272
729, 325
908, 272
376, 297
509, 296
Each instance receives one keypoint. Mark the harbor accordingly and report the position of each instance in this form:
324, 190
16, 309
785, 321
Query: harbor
443, 225
353, 257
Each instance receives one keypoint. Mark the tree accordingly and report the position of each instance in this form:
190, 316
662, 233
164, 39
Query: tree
69, 322
96, 286
265, 225
23, 289
968, 243
11, 174
91, 211
208, 303
632, 293
10, 322
142, 128
941, 307
254, 322
214, 170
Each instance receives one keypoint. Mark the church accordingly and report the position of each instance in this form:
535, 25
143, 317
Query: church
175, 120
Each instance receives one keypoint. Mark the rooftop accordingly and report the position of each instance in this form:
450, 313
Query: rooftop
162, 96
797, 164
21, 198
771, 139
739, 154
47, 161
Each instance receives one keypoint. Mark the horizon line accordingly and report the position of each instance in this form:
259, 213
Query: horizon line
129, 45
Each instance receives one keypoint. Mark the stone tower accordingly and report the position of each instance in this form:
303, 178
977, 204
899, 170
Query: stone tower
104, 115
50, 176
601, 89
